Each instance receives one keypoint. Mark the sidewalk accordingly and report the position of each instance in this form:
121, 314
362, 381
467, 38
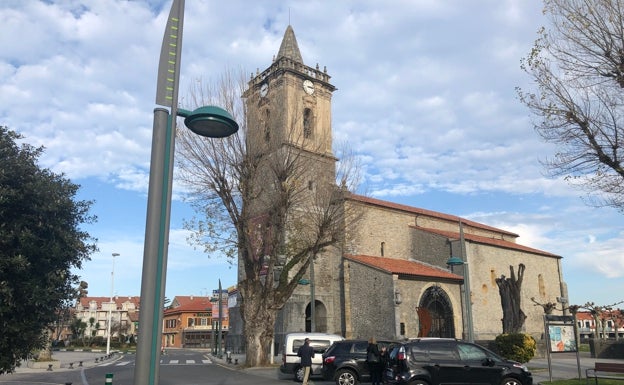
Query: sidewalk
238, 362
70, 360
563, 366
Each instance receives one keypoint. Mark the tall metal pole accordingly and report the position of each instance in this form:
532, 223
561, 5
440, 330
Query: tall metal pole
467, 299
153, 279
219, 326
110, 306
312, 298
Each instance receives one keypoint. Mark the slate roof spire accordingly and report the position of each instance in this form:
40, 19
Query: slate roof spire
289, 48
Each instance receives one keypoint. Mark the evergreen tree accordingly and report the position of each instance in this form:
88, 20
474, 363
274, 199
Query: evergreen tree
40, 243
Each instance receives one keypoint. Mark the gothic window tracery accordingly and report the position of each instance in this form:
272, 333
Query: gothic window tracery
307, 123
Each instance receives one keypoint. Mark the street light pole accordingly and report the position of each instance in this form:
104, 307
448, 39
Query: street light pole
466, 300
312, 298
110, 306
212, 122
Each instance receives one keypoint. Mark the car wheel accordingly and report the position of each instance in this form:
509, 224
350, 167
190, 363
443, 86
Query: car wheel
299, 374
510, 381
419, 382
346, 377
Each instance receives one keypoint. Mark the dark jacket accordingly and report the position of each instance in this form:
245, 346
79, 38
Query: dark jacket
372, 350
306, 352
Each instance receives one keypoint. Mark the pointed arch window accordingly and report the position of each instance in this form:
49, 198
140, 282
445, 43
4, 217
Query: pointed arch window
265, 126
308, 122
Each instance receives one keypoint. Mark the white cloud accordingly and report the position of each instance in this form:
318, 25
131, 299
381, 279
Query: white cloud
426, 97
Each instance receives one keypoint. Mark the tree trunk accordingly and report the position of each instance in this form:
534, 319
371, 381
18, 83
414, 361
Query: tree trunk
258, 323
510, 290
45, 354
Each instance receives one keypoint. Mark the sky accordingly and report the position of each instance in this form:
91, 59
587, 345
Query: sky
425, 97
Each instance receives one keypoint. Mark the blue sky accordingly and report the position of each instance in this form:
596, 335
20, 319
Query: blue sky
425, 97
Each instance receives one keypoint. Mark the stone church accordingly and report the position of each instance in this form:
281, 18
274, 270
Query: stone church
406, 271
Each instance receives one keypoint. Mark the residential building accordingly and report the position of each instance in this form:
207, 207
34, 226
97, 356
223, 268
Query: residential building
124, 315
612, 324
193, 321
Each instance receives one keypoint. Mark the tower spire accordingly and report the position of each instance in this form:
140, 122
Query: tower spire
289, 48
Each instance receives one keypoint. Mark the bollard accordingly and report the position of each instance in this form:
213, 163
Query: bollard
96, 360
49, 367
109, 378
80, 363
71, 365
236, 361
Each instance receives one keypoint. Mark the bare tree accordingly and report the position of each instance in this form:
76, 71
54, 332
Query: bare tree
510, 289
601, 314
577, 65
255, 203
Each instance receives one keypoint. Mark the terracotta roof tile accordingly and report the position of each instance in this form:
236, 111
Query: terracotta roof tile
190, 303
119, 300
403, 266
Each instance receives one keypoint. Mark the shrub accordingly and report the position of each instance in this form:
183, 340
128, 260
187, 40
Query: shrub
516, 346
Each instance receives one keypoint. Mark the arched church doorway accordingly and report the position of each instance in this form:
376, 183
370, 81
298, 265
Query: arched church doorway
320, 318
435, 314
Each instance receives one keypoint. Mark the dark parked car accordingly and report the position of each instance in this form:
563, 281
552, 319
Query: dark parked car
438, 361
345, 362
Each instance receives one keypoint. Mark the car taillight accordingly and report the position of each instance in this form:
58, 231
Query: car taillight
330, 359
401, 356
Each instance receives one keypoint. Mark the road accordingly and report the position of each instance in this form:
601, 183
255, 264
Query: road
177, 367
193, 367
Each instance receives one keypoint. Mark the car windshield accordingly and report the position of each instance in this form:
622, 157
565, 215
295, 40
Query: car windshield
319, 345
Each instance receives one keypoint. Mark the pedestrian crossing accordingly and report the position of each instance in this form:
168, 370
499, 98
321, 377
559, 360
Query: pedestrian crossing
163, 361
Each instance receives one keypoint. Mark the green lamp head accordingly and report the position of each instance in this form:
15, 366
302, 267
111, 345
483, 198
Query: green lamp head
454, 261
211, 122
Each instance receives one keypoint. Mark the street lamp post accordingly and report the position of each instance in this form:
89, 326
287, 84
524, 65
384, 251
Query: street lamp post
467, 308
212, 122
310, 282
110, 306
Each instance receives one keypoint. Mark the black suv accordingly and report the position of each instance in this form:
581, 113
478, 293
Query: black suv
345, 361
436, 361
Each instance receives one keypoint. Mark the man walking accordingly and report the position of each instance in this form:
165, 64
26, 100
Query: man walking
306, 352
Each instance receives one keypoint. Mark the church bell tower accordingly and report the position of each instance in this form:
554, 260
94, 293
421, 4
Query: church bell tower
289, 104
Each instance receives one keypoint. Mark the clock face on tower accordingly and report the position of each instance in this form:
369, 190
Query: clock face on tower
308, 87
264, 89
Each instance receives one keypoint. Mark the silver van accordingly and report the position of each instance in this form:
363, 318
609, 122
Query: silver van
291, 363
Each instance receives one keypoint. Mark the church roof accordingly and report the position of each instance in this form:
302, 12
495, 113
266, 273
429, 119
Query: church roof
289, 47
404, 267
435, 214
488, 241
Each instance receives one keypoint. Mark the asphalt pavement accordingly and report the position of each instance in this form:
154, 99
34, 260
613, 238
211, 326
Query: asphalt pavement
562, 365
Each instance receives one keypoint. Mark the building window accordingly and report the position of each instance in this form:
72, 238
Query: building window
265, 126
307, 123
402, 326
383, 245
